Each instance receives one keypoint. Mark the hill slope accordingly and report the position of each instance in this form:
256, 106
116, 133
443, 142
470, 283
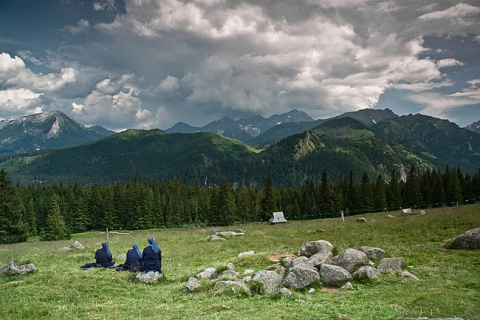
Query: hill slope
152, 154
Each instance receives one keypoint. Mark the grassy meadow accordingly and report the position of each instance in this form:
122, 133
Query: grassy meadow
448, 286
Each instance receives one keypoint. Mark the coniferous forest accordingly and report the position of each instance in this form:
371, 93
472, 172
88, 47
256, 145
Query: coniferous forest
53, 212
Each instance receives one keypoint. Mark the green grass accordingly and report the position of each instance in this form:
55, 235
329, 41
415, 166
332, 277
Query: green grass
449, 283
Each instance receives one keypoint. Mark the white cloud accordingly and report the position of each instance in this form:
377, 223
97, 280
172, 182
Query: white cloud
81, 26
104, 5
448, 63
114, 103
438, 105
458, 11
169, 84
14, 73
18, 102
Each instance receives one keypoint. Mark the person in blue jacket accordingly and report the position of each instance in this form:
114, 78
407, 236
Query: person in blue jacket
103, 256
152, 257
133, 261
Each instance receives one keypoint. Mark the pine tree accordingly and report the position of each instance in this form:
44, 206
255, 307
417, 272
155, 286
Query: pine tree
12, 226
55, 228
366, 194
379, 196
394, 197
268, 201
224, 208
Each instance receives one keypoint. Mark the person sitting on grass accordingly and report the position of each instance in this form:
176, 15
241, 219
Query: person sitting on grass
133, 261
103, 256
152, 257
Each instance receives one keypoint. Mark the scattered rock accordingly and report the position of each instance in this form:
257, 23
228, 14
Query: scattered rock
214, 237
299, 260
246, 253
361, 220
330, 274
347, 286
74, 246
301, 276
284, 292
366, 273
11, 268
270, 279
231, 266
408, 275
231, 274
149, 277
308, 249
468, 240
372, 253
248, 271
322, 257
193, 284
311, 290
349, 259
207, 273
387, 265
227, 234
388, 216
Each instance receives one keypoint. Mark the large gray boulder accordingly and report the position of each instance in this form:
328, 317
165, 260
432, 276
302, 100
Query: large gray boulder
270, 279
322, 257
330, 274
366, 273
207, 273
387, 265
468, 240
301, 276
149, 277
11, 268
298, 260
349, 259
308, 249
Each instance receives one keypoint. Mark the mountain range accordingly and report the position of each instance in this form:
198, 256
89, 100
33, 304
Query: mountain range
371, 141
45, 131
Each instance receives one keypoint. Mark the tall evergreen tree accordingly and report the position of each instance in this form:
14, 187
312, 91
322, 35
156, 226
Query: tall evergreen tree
224, 207
268, 200
55, 227
12, 226
379, 195
394, 195
366, 194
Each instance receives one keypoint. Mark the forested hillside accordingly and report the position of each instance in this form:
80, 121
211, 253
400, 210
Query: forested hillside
53, 212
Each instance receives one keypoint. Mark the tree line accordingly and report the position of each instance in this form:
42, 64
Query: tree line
53, 212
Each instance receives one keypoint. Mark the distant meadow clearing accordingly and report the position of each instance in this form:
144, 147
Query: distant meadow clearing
448, 286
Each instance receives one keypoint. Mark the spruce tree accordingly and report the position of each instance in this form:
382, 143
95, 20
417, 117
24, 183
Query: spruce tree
267, 206
379, 196
12, 225
55, 228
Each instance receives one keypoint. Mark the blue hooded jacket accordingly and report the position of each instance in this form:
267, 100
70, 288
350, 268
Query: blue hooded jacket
152, 257
133, 261
103, 256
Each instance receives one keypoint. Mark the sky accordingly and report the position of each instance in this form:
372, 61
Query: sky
151, 63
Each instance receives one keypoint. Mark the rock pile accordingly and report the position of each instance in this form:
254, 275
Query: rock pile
315, 263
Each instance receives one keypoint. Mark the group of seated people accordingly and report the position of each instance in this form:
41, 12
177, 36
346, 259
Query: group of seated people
148, 260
